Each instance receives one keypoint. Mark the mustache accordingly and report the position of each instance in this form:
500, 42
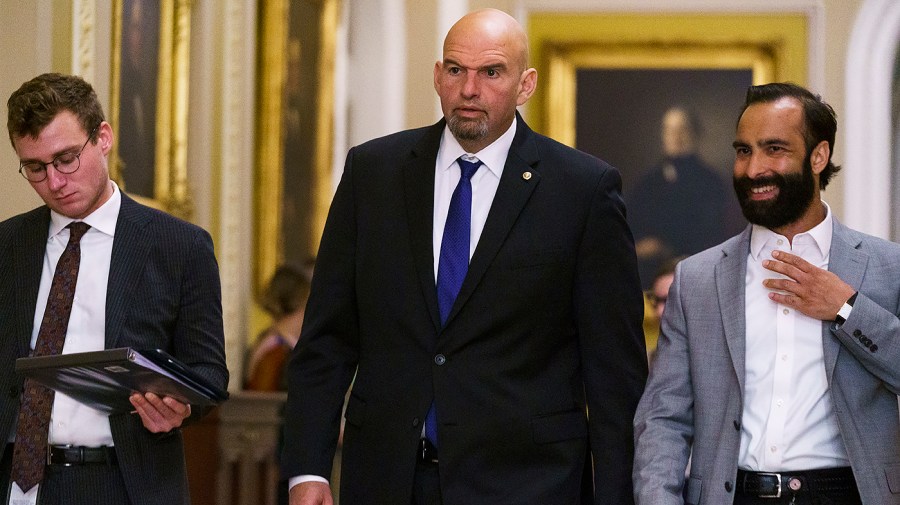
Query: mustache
745, 183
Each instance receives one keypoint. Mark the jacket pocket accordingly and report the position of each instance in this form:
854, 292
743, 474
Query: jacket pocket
892, 473
692, 493
559, 427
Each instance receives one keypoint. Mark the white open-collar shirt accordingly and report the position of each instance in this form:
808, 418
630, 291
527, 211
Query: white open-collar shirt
788, 421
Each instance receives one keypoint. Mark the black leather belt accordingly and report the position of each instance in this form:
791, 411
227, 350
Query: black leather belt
826, 481
427, 452
70, 455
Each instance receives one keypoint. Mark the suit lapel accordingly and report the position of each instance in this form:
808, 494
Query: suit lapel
418, 180
730, 274
512, 194
29, 263
848, 262
130, 249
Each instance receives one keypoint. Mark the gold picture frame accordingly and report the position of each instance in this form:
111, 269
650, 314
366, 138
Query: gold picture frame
148, 102
294, 131
773, 46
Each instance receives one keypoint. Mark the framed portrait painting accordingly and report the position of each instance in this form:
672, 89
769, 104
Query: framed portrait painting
294, 134
658, 96
149, 101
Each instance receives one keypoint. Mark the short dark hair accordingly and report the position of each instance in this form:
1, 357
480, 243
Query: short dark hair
37, 102
287, 291
820, 120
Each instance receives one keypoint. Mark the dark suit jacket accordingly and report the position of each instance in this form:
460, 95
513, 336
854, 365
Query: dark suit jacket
547, 322
163, 292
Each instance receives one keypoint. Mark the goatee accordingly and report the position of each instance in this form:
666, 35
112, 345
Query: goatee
795, 195
467, 129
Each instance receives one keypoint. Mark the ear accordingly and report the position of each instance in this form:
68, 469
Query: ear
527, 85
105, 137
438, 67
819, 157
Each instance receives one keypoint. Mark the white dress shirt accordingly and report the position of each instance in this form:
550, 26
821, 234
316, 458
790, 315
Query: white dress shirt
72, 422
788, 421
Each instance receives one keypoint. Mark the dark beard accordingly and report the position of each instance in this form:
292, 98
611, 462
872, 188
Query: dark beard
467, 129
795, 195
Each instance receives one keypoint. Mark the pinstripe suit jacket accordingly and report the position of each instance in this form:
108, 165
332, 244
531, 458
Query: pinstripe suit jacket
163, 292
695, 391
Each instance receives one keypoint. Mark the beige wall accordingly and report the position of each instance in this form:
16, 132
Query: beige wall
22, 56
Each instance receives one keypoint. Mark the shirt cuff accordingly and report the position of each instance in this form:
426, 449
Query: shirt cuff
300, 479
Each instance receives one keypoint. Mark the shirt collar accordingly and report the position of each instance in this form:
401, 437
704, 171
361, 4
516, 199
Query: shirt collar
492, 156
103, 219
819, 237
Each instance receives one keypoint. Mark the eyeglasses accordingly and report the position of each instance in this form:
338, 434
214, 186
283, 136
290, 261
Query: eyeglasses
65, 163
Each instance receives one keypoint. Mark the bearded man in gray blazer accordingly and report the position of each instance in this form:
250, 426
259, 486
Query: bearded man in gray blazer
776, 370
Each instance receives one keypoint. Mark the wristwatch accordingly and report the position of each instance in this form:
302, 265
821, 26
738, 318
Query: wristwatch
844, 313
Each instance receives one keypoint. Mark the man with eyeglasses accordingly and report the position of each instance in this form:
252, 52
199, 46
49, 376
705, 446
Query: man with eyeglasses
93, 269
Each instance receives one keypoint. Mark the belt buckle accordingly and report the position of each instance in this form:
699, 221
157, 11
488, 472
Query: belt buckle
777, 477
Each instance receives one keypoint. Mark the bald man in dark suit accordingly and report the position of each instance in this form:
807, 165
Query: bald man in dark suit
482, 397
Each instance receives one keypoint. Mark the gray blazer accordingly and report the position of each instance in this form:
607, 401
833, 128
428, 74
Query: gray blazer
694, 398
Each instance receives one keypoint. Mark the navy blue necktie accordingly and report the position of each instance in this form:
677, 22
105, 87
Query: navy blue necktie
454, 259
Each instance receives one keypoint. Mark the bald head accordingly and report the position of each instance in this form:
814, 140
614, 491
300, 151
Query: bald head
483, 77
493, 28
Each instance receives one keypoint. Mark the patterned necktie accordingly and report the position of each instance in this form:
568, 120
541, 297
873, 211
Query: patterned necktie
454, 259
30, 453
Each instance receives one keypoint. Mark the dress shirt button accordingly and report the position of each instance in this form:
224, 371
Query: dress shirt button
415, 422
440, 359
786, 311
728, 486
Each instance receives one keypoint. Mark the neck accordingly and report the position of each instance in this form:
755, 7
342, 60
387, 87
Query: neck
814, 215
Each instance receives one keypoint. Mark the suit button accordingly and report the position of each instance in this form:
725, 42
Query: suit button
728, 486
737, 425
415, 422
874, 347
440, 359
857, 333
866, 341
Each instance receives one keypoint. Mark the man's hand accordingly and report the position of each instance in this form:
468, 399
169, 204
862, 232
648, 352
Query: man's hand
311, 493
813, 291
159, 415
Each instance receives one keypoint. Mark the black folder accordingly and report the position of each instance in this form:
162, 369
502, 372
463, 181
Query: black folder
104, 380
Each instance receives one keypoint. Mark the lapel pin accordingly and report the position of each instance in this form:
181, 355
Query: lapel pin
526, 176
